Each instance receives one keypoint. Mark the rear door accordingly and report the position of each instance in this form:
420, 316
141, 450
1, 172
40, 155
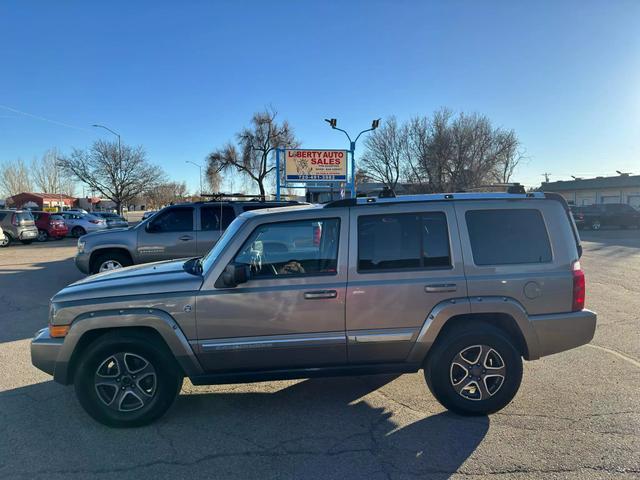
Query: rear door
213, 220
403, 260
170, 234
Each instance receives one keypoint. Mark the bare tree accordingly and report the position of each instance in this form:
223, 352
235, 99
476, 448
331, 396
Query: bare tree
14, 178
48, 177
166, 193
117, 174
253, 154
385, 151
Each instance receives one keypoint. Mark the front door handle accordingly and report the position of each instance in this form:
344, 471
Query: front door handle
318, 294
186, 238
440, 287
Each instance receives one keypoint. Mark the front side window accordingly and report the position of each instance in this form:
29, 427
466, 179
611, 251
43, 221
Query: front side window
216, 218
173, 220
506, 237
403, 242
304, 247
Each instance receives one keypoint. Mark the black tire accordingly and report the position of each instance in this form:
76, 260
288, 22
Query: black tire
6, 241
43, 235
168, 379
121, 258
439, 372
26, 242
78, 232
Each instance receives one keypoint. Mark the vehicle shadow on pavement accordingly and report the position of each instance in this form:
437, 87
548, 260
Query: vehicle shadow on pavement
317, 428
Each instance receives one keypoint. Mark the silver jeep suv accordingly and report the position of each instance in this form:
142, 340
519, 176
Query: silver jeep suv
463, 286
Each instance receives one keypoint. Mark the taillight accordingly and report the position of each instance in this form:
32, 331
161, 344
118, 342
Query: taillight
95, 221
578, 288
14, 220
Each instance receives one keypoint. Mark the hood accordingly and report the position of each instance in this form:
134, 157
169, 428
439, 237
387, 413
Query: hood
145, 279
103, 234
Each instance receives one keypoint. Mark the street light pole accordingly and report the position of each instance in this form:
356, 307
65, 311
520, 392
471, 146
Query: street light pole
200, 168
119, 151
352, 147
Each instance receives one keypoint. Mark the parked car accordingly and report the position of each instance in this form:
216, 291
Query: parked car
113, 219
17, 225
50, 225
610, 215
578, 216
148, 214
80, 224
178, 231
462, 286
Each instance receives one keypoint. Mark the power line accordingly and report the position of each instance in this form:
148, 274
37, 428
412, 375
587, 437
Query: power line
38, 117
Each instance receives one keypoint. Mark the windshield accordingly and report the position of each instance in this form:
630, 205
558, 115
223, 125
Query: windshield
228, 234
24, 216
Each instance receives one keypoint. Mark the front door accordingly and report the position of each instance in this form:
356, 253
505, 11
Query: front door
403, 260
169, 234
290, 314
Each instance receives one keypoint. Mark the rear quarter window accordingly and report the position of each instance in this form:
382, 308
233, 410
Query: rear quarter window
508, 237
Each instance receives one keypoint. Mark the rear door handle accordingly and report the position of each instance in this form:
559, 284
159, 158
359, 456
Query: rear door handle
440, 287
318, 294
186, 238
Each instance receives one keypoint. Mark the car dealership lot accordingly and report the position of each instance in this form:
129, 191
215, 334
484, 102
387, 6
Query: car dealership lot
577, 414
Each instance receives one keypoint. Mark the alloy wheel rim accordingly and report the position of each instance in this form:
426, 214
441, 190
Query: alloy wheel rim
109, 265
125, 382
42, 236
477, 372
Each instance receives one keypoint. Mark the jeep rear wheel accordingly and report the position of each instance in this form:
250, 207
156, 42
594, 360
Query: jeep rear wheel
474, 369
127, 380
6, 240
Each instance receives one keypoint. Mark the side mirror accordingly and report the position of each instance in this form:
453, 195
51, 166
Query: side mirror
233, 275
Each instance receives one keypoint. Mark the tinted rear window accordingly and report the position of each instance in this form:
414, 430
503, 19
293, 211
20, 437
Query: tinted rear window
24, 216
505, 237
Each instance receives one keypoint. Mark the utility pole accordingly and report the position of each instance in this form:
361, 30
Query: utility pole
546, 176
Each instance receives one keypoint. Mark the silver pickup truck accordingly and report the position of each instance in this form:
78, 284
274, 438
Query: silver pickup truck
179, 231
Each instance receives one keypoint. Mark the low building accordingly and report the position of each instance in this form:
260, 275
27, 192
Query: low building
619, 189
41, 201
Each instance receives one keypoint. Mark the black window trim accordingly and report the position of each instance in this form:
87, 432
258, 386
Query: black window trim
297, 275
408, 269
215, 206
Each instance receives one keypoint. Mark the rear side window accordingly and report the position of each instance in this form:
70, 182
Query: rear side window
216, 218
506, 237
403, 242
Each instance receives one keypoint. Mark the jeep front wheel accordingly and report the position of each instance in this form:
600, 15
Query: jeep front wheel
127, 380
474, 370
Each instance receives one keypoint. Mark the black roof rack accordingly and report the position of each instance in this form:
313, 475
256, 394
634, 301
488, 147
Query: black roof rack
431, 197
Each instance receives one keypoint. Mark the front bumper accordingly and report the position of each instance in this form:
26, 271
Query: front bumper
82, 262
45, 350
563, 331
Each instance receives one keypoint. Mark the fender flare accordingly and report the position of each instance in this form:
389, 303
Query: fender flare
159, 320
448, 309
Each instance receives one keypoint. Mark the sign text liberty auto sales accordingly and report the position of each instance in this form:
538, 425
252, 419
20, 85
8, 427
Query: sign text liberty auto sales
316, 165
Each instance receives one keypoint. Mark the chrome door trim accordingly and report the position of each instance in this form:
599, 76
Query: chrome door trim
382, 335
274, 341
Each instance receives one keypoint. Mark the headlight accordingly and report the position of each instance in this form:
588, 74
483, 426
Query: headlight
81, 246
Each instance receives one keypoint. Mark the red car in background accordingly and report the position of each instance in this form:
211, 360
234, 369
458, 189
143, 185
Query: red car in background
50, 225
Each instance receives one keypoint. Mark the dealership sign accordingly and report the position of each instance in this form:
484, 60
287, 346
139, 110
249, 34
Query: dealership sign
315, 165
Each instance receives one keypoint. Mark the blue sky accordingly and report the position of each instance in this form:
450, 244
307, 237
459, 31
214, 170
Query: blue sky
180, 78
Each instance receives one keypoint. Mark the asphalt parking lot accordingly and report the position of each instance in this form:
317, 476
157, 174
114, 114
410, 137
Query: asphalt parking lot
577, 414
